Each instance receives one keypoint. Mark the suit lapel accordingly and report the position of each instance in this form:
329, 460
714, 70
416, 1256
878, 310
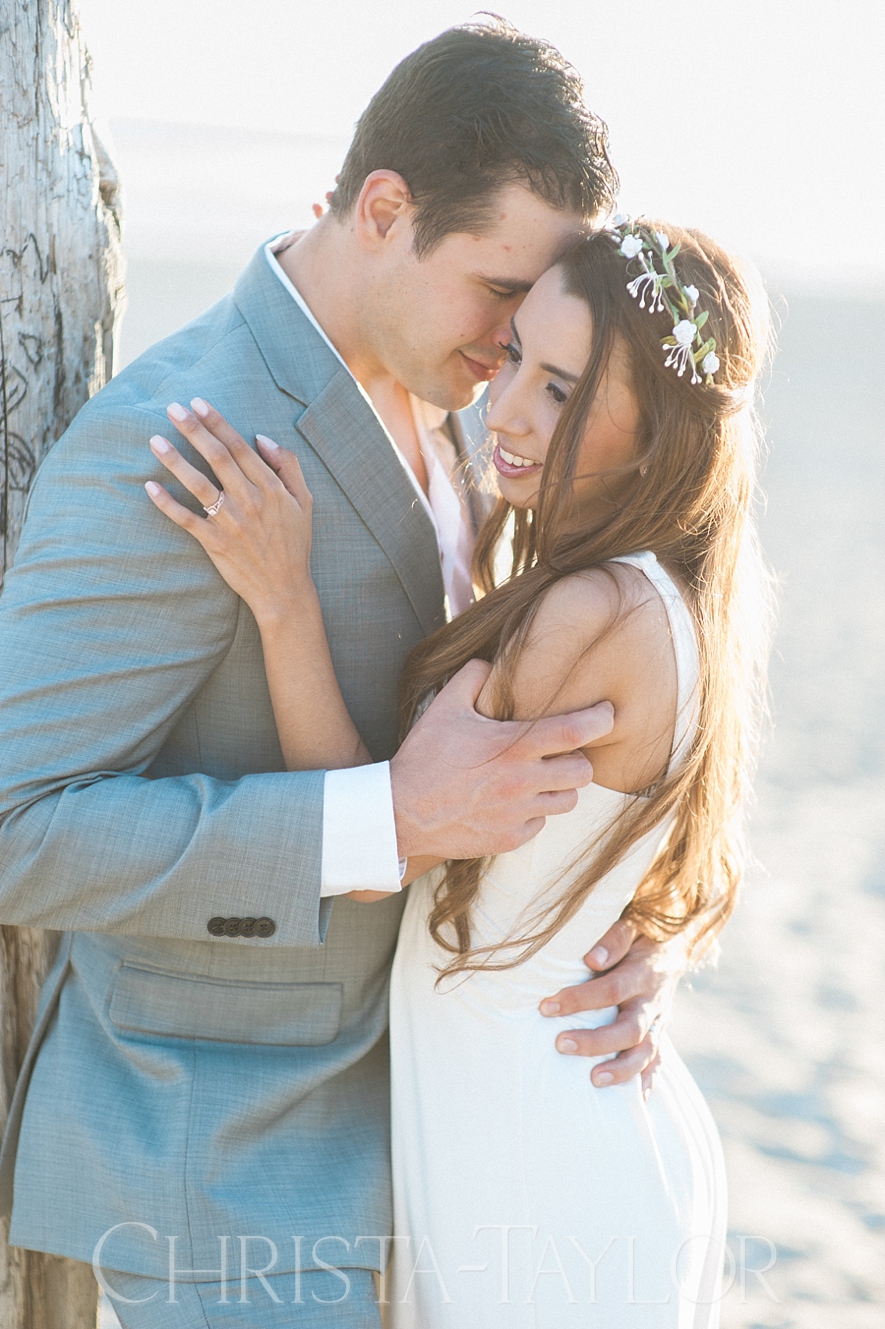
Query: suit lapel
343, 429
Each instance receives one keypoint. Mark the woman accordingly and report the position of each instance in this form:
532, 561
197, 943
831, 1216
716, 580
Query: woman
625, 457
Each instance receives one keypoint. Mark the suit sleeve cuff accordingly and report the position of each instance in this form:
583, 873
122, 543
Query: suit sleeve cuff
359, 835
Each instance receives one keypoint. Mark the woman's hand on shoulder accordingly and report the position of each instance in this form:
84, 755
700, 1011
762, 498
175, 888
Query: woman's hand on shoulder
259, 532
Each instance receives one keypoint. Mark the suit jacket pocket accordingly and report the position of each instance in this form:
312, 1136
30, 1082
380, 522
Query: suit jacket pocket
150, 1001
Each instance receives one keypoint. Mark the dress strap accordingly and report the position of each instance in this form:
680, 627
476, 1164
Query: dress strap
685, 649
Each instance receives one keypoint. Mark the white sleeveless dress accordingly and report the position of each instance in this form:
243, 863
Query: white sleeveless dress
524, 1197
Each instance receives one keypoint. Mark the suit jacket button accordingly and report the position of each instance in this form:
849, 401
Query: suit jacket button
265, 927
247, 927
231, 927
216, 926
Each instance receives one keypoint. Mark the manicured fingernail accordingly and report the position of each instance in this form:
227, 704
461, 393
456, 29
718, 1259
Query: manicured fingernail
159, 444
550, 1008
604, 1077
177, 412
152, 489
567, 1045
268, 442
599, 955
198, 406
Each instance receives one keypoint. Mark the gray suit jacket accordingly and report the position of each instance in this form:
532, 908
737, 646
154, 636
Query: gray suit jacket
178, 1081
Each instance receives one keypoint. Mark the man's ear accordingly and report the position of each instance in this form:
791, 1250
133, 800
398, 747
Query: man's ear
383, 210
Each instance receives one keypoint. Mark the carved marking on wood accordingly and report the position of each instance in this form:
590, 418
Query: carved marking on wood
61, 284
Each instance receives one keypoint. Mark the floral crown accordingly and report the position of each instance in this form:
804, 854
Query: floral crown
686, 348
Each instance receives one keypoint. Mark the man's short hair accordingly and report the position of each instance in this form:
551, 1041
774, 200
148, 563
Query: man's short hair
477, 108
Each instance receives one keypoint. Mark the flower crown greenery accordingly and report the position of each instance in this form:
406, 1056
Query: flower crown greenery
686, 348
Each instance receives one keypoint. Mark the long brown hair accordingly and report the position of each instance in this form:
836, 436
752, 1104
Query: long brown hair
687, 495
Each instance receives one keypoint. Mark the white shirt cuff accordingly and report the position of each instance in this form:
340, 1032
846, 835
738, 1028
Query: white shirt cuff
359, 835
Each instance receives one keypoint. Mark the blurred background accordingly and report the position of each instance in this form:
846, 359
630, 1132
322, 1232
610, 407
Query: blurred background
758, 122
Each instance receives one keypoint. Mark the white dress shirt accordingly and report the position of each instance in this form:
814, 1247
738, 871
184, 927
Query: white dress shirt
359, 836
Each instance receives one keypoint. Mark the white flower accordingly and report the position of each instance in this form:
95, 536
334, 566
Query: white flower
692, 292
680, 358
650, 284
710, 362
684, 332
663, 239
631, 245
619, 219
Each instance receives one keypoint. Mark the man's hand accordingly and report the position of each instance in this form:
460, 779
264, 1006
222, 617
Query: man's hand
639, 977
465, 786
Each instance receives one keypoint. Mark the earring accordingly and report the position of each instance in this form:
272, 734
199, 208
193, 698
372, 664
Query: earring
643, 471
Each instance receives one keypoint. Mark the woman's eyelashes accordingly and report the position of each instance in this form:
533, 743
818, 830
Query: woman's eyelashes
557, 394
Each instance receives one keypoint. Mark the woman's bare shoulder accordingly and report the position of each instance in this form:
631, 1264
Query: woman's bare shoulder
592, 623
599, 635
597, 601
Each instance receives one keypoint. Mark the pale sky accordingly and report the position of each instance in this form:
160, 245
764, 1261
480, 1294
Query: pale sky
758, 120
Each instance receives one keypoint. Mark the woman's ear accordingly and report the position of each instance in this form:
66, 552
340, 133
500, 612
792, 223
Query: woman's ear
383, 210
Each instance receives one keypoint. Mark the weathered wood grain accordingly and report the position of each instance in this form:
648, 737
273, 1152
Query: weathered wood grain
61, 288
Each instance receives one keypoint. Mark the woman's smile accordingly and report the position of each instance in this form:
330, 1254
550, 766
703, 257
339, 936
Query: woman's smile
512, 465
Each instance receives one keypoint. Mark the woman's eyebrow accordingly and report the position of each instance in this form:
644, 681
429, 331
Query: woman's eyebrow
561, 373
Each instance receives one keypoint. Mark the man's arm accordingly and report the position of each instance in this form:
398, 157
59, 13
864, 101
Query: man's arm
110, 623
259, 540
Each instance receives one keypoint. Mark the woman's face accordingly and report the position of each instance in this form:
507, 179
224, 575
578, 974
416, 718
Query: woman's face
552, 334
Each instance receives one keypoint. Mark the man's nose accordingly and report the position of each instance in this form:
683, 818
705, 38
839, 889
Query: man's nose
501, 338
494, 348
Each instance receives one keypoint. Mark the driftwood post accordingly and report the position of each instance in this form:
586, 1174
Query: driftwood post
61, 286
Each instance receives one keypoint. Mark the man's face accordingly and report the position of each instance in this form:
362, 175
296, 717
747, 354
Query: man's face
438, 324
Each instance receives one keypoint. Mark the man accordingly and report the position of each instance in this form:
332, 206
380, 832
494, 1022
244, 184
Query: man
203, 1106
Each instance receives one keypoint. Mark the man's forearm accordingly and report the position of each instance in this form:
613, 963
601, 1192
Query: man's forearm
164, 857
